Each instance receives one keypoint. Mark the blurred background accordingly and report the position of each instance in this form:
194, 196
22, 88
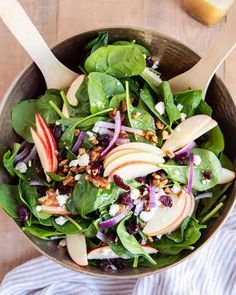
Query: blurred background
57, 20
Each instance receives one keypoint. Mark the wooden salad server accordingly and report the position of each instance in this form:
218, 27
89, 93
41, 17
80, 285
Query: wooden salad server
15, 18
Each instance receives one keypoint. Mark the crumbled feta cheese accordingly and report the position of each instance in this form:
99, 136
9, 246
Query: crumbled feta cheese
179, 106
38, 208
134, 194
57, 123
74, 163
146, 216
62, 243
159, 237
61, 220
83, 160
89, 133
205, 181
175, 189
197, 160
61, 199
183, 117
21, 167
160, 107
30, 163
78, 176
57, 192
114, 209
96, 129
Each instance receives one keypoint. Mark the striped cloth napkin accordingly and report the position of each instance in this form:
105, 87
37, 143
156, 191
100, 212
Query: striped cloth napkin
212, 271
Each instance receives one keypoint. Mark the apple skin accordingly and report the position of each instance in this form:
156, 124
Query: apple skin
188, 131
77, 249
226, 176
138, 156
72, 90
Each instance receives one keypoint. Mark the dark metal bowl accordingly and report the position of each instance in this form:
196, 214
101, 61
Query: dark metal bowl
175, 58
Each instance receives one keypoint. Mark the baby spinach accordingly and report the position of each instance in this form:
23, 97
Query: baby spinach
116, 60
9, 158
9, 199
92, 229
215, 141
171, 109
70, 228
130, 243
140, 47
152, 79
100, 41
189, 99
178, 235
116, 100
101, 87
120, 250
161, 260
209, 162
204, 108
83, 98
225, 162
41, 232
56, 177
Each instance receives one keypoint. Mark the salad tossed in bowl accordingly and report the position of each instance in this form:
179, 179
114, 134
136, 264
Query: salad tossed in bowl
117, 169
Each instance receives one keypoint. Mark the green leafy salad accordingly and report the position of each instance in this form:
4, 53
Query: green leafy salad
116, 168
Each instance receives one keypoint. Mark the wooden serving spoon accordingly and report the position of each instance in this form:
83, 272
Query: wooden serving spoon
15, 18
200, 75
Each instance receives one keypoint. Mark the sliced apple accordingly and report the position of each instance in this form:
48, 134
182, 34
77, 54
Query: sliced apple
138, 156
131, 170
77, 249
187, 131
138, 145
54, 210
105, 252
72, 90
226, 176
47, 135
167, 219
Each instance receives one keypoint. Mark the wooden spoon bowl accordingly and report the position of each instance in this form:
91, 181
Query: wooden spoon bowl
175, 58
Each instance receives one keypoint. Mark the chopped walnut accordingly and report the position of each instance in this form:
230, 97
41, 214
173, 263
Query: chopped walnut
170, 154
151, 136
49, 199
146, 206
121, 208
168, 190
82, 151
66, 168
63, 162
98, 181
98, 148
93, 139
181, 194
69, 180
94, 155
112, 113
156, 182
91, 170
150, 239
165, 135
76, 132
123, 134
159, 125
123, 106
163, 182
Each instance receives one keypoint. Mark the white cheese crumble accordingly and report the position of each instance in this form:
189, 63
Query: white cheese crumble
83, 160
61, 199
183, 117
78, 176
160, 107
74, 163
30, 163
38, 208
205, 181
21, 167
159, 237
197, 160
57, 123
175, 189
180, 107
96, 129
89, 133
146, 216
61, 220
134, 194
114, 209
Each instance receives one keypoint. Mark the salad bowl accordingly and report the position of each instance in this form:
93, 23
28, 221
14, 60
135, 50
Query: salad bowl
174, 58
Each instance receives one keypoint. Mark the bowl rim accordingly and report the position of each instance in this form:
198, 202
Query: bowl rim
82, 269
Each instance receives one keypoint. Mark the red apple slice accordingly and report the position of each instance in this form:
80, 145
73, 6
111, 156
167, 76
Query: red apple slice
47, 135
44, 152
77, 249
138, 156
54, 210
72, 90
226, 176
133, 169
105, 252
187, 131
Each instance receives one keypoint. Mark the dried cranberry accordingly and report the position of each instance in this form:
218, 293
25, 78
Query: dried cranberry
40, 171
207, 174
149, 62
181, 159
110, 237
119, 263
104, 264
119, 181
61, 154
138, 238
166, 200
42, 190
104, 140
132, 226
202, 139
140, 179
56, 131
23, 213
124, 199
64, 189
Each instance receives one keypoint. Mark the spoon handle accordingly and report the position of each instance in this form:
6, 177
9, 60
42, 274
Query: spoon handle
55, 73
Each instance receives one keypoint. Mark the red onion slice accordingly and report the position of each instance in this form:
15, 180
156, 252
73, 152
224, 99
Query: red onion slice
106, 131
30, 156
203, 196
186, 149
190, 178
152, 197
35, 183
121, 141
116, 133
101, 236
104, 124
79, 141
139, 208
113, 221
24, 152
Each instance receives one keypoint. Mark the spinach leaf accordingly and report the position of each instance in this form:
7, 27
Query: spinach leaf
92, 229
41, 232
150, 102
209, 162
226, 163
140, 47
161, 261
116, 100
171, 109
215, 142
152, 79
116, 60
204, 108
100, 88
134, 86
9, 199
190, 100
178, 235
70, 228
9, 158
83, 98
56, 177
120, 250
100, 41
23, 117
130, 243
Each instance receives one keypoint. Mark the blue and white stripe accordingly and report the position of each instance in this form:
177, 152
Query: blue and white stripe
212, 271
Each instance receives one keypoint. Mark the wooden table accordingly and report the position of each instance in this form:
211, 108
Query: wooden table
59, 19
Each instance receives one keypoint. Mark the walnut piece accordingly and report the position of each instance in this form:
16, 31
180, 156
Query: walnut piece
159, 125
98, 181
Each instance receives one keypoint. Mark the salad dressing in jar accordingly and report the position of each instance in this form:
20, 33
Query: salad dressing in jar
208, 11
